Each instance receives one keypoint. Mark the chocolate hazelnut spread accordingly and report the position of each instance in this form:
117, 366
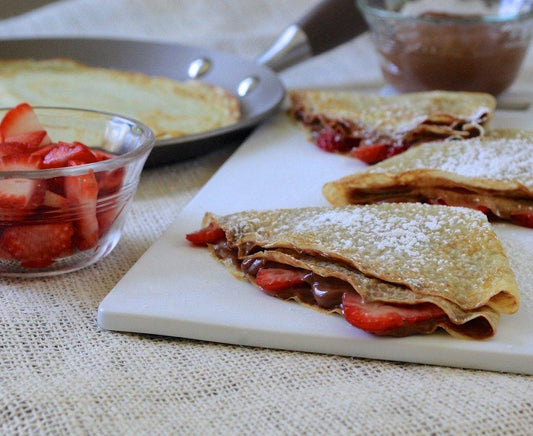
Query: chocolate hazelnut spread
452, 55
323, 292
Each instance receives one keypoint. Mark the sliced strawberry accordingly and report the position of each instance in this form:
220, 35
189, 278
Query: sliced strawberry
60, 154
110, 182
5, 255
334, 142
375, 153
53, 200
371, 154
43, 151
37, 246
483, 209
20, 193
107, 215
20, 162
56, 185
274, 280
32, 140
101, 155
9, 148
21, 120
208, 235
388, 319
82, 191
524, 219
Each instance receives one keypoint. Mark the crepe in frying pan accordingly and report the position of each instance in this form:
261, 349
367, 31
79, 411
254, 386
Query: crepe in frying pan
171, 108
493, 174
390, 269
373, 128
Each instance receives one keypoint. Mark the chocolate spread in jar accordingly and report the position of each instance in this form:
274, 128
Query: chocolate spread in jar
456, 56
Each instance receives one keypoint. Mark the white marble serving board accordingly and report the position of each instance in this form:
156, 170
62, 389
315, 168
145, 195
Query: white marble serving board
179, 290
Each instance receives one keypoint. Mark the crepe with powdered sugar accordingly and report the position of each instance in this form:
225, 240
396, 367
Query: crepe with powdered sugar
395, 256
374, 127
493, 173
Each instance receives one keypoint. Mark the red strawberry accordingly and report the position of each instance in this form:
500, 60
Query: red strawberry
375, 153
21, 120
106, 217
5, 255
53, 200
330, 140
388, 319
484, 209
32, 140
274, 280
208, 235
17, 192
102, 155
8, 148
372, 154
58, 155
44, 150
20, 161
82, 191
37, 246
110, 182
524, 219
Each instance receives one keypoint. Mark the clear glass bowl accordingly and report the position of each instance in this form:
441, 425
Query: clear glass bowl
92, 223
460, 45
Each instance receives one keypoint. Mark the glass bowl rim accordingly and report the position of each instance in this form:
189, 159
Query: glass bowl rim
104, 165
365, 7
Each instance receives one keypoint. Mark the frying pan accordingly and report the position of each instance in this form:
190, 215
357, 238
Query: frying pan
254, 82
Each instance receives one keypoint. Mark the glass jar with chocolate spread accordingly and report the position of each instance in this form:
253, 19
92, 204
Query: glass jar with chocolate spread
461, 45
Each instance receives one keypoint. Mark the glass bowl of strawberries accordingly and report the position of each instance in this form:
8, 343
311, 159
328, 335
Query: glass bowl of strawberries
67, 179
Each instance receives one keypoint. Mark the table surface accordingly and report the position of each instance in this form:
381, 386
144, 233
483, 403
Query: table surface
61, 374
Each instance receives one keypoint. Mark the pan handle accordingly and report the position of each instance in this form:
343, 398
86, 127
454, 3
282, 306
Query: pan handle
329, 24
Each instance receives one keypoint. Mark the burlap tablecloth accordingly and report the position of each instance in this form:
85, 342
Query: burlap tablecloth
60, 374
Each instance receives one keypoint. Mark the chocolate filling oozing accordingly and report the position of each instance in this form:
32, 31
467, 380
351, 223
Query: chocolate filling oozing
327, 294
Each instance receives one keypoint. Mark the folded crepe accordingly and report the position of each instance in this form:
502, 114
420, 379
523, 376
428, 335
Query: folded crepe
373, 128
493, 174
389, 269
170, 107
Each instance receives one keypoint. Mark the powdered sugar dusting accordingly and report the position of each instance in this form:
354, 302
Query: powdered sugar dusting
395, 115
427, 247
502, 155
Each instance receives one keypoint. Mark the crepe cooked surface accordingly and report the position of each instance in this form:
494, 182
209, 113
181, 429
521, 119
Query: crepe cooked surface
495, 170
392, 115
171, 108
401, 253
502, 157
